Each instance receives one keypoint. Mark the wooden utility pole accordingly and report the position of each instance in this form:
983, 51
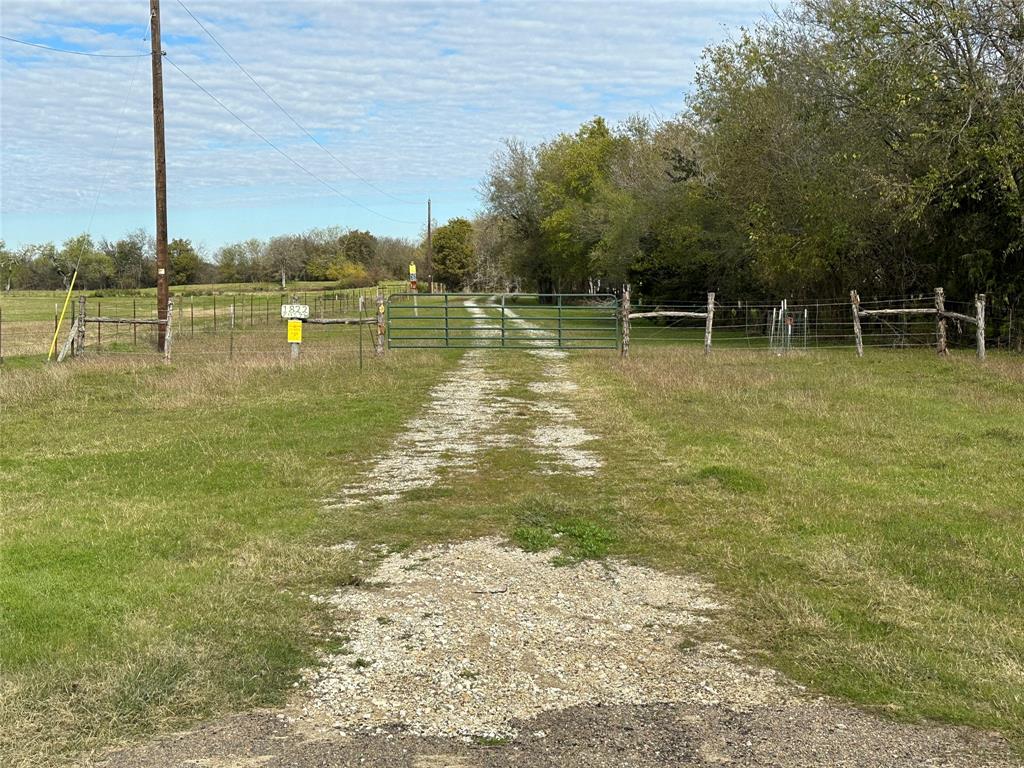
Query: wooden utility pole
430, 241
160, 161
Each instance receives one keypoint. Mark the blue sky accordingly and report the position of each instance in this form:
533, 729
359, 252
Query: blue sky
413, 97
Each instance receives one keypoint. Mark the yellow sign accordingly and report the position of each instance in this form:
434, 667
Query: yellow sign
412, 270
294, 331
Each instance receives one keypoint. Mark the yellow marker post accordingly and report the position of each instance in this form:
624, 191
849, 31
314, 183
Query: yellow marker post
413, 289
295, 337
60, 322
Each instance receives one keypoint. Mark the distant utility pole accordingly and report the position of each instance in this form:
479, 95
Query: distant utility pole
430, 242
160, 161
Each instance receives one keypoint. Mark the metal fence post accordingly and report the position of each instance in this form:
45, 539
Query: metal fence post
503, 320
559, 321
625, 320
447, 341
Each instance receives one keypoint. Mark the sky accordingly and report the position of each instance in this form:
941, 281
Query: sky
412, 100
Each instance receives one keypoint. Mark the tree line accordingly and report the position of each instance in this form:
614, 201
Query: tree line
875, 145
350, 258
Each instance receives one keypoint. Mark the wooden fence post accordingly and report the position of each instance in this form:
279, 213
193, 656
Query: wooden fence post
940, 321
625, 320
708, 322
855, 305
80, 339
70, 342
167, 336
979, 305
381, 324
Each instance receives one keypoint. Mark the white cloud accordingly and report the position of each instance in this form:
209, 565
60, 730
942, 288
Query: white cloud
413, 96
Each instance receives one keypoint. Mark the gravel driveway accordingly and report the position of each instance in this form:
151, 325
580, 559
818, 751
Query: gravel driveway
478, 654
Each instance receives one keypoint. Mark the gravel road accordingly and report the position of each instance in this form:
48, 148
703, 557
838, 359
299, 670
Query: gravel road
479, 654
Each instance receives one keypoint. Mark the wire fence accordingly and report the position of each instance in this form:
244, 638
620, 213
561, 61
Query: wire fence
784, 325
243, 324
203, 324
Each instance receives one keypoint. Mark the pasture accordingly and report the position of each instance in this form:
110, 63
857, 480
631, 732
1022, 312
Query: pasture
28, 318
162, 526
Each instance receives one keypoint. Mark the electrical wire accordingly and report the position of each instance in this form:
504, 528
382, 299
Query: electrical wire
95, 202
287, 114
76, 53
281, 152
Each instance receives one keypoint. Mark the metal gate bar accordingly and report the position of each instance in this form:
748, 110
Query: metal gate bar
503, 321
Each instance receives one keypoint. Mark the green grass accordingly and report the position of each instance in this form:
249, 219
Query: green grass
864, 517
159, 530
159, 524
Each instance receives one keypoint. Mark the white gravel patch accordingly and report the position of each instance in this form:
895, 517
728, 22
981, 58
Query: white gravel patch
552, 387
463, 417
564, 443
470, 412
463, 639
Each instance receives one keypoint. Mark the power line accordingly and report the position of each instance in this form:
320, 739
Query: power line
76, 53
287, 114
113, 146
281, 152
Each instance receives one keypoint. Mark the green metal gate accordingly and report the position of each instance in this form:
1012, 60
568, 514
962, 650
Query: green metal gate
503, 321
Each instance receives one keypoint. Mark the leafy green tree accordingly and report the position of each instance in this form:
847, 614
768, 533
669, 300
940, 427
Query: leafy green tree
10, 261
454, 255
79, 253
348, 274
285, 255
132, 257
185, 261
230, 261
512, 192
359, 246
392, 256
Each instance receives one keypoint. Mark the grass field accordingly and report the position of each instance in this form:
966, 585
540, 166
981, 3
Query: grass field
160, 525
